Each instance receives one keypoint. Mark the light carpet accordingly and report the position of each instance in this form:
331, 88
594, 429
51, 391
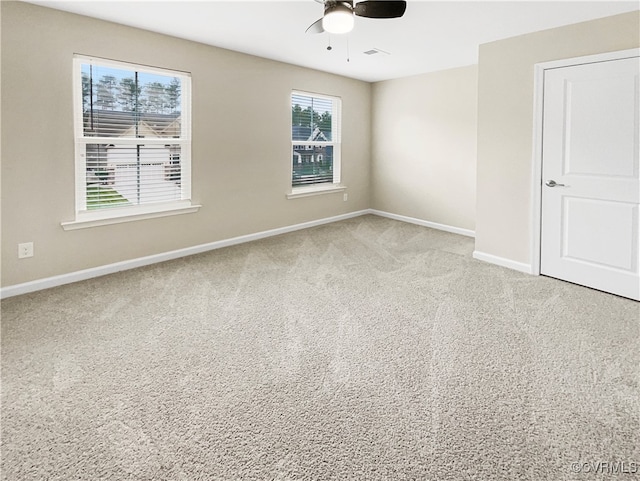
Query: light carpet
367, 349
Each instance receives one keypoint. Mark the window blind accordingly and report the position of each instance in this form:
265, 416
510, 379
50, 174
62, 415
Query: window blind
132, 139
314, 139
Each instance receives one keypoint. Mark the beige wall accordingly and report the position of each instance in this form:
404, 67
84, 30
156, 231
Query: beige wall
424, 146
241, 149
505, 123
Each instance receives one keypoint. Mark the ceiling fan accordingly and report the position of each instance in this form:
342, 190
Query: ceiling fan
339, 15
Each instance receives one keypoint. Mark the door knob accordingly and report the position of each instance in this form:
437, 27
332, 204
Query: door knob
553, 183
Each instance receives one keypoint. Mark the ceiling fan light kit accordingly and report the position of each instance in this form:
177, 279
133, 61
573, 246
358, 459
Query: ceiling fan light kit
338, 18
339, 15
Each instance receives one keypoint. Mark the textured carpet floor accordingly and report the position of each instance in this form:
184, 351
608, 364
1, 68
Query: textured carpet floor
367, 349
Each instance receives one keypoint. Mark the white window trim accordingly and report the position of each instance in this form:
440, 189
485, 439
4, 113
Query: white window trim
114, 215
336, 131
316, 189
119, 215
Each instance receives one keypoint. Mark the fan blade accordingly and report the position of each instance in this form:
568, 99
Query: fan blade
315, 27
380, 8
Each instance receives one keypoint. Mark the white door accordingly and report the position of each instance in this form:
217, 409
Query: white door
591, 186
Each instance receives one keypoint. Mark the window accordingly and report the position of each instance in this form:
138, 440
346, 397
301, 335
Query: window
133, 141
315, 141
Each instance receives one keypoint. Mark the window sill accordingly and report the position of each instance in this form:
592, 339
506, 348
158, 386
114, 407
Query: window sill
298, 192
117, 216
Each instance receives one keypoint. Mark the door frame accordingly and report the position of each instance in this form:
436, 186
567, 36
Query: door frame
538, 107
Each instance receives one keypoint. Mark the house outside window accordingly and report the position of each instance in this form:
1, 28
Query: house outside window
315, 140
132, 140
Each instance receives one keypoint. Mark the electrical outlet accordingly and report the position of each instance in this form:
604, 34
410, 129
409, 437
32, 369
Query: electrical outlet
25, 250
345, 196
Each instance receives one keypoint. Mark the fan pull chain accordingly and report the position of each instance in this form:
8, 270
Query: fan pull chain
348, 54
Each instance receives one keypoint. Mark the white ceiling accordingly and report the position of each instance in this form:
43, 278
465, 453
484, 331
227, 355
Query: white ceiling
432, 35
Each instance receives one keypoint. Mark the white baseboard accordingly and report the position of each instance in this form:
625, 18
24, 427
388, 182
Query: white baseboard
424, 223
501, 261
85, 274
